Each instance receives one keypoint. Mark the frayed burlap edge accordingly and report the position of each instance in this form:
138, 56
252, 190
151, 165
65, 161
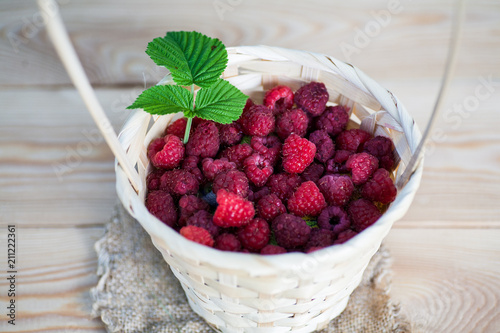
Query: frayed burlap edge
137, 292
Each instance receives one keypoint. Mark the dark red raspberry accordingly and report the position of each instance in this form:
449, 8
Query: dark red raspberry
234, 181
177, 128
160, 204
255, 235
307, 200
248, 105
337, 163
237, 153
258, 120
257, 169
270, 206
312, 98
257, 194
313, 172
352, 140
380, 187
271, 249
344, 236
227, 242
267, 146
188, 205
190, 164
298, 153
382, 148
212, 168
179, 182
203, 219
279, 99
292, 121
334, 120
204, 141
363, 214
198, 235
319, 238
290, 231
167, 152
325, 148
233, 210
337, 189
230, 134
335, 219
283, 184
362, 166
153, 179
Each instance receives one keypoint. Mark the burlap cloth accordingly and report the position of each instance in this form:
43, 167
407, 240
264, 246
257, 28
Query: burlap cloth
137, 292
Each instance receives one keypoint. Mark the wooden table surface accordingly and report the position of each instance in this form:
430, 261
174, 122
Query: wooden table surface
57, 182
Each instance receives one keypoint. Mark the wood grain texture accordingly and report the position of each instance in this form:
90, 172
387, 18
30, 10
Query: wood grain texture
56, 269
111, 36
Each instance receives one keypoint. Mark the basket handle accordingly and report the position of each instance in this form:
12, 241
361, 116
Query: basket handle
59, 37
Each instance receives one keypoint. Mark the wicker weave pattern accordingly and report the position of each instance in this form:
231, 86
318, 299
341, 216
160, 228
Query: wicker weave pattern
297, 292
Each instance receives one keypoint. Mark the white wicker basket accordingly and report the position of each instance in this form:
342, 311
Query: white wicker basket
238, 292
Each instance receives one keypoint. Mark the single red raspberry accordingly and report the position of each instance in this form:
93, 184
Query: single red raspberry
203, 219
160, 204
257, 194
153, 179
270, 206
279, 99
227, 242
334, 120
190, 164
344, 236
212, 168
230, 134
257, 169
267, 146
234, 181
380, 187
325, 148
204, 141
271, 249
337, 163
259, 120
198, 235
233, 210
307, 200
188, 206
352, 140
298, 153
312, 98
283, 184
237, 153
362, 166
313, 172
179, 182
292, 121
319, 238
255, 235
363, 214
177, 128
382, 148
248, 105
337, 189
167, 152
290, 231
335, 219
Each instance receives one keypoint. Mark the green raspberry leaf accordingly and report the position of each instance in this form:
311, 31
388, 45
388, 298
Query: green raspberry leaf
191, 57
222, 102
164, 99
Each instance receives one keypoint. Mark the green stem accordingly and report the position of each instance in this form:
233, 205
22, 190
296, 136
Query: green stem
189, 120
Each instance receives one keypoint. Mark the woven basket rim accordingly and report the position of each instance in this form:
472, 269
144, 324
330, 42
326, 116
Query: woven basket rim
248, 261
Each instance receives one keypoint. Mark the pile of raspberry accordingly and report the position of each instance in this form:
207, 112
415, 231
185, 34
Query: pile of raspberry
286, 176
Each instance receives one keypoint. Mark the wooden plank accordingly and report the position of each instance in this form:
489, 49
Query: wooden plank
447, 280
55, 270
111, 36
